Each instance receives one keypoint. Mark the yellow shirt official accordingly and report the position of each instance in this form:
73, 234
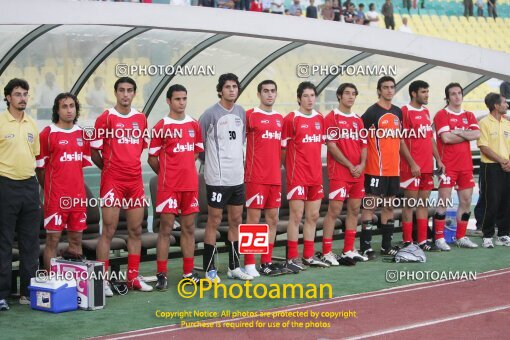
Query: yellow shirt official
19, 145
495, 135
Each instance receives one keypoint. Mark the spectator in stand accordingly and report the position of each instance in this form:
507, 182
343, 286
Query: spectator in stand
256, 6
468, 8
404, 27
294, 7
479, 8
206, 3
266, 6
228, 4
350, 16
504, 89
277, 6
243, 5
327, 11
311, 10
407, 4
346, 5
387, 12
372, 16
337, 10
491, 8
360, 15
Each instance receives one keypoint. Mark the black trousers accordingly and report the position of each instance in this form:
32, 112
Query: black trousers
20, 214
496, 193
389, 22
482, 203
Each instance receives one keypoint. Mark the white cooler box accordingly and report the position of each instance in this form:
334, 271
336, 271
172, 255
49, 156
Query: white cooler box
89, 281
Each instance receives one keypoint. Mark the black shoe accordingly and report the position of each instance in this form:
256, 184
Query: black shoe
370, 254
429, 246
406, 244
293, 267
269, 269
390, 251
162, 282
192, 276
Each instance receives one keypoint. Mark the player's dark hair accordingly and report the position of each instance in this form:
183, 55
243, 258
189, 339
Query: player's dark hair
371, 6
175, 88
492, 99
447, 91
12, 84
383, 80
223, 79
342, 87
303, 86
416, 85
56, 106
266, 82
124, 80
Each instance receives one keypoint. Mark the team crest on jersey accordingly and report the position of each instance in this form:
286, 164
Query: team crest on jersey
278, 123
30, 137
355, 125
135, 126
79, 141
238, 121
191, 133
464, 120
317, 125
395, 121
506, 134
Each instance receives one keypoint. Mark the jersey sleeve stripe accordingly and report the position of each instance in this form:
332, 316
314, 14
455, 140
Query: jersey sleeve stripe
96, 144
443, 129
152, 151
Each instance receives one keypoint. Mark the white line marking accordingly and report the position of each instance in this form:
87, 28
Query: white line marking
345, 298
429, 323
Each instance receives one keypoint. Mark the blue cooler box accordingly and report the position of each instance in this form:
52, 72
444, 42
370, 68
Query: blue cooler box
450, 228
55, 296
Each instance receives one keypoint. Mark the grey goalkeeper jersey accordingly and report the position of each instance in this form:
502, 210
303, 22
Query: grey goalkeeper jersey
224, 134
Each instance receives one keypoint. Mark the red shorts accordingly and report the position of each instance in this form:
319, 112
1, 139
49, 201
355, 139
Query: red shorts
177, 202
305, 192
262, 196
341, 190
70, 220
461, 180
425, 182
122, 194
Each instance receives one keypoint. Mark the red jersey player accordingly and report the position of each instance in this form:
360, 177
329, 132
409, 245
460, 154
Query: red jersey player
64, 154
176, 142
455, 128
262, 173
120, 140
416, 163
347, 154
302, 140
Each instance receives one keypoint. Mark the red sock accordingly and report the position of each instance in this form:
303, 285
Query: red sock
249, 259
407, 231
439, 228
266, 258
162, 266
461, 229
133, 265
106, 265
292, 250
309, 249
188, 263
350, 235
327, 245
423, 224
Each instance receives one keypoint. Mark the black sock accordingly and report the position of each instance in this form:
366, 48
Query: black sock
366, 236
233, 255
387, 235
208, 257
